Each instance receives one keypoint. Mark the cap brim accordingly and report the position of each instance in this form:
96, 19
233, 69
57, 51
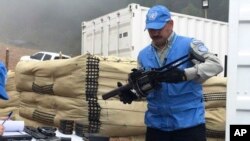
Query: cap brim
3, 94
155, 25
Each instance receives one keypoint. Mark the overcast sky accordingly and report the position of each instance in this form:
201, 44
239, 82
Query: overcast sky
55, 25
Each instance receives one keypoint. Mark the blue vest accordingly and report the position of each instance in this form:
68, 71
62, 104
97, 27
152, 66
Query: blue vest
173, 106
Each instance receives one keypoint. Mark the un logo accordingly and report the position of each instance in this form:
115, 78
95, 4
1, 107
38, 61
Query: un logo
152, 16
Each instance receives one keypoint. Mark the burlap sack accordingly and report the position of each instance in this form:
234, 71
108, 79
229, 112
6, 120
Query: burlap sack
131, 138
216, 122
49, 109
214, 92
28, 122
12, 102
215, 84
118, 119
215, 100
64, 77
6, 106
113, 70
11, 85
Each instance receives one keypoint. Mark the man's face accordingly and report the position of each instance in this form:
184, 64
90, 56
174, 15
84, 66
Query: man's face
160, 36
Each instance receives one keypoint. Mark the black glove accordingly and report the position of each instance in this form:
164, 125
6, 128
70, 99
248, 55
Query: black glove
173, 76
126, 96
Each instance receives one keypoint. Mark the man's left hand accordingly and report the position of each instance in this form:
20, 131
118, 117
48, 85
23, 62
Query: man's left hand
173, 76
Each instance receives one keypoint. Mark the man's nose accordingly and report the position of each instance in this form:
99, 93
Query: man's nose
154, 31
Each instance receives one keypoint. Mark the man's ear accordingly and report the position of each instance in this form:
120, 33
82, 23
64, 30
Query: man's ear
171, 22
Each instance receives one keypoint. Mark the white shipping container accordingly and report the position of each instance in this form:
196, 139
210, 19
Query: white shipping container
122, 33
238, 87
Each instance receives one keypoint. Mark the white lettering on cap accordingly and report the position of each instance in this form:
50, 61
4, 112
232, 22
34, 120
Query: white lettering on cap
152, 16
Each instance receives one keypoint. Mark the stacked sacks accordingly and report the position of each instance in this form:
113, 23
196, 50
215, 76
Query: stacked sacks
111, 117
215, 99
13, 103
52, 90
72, 90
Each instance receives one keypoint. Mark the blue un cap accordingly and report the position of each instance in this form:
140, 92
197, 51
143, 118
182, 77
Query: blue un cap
157, 17
3, 79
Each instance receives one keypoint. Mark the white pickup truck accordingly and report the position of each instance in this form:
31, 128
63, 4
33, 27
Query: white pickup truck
43, 56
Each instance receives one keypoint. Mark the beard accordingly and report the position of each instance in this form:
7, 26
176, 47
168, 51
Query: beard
159, 41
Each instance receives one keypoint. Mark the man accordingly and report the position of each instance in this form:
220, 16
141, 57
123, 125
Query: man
176, 110
3, 94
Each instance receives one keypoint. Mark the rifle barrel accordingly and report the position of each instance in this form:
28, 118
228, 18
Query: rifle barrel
116, 91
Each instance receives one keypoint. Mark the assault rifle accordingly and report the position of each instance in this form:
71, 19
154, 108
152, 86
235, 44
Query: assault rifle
142, 82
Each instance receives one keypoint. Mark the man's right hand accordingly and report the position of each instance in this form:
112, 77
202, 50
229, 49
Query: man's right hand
126, 96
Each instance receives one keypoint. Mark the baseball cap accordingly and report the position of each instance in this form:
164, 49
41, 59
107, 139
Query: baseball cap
157, 17
3, 79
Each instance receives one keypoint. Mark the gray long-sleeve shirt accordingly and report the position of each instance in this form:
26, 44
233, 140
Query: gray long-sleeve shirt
200, 71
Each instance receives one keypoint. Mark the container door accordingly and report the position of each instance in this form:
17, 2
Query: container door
119, 33
238, 86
